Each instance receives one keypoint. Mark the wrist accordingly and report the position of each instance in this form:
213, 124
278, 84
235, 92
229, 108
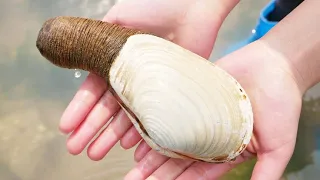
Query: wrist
280, 61
306, 70
299, 65
296, 41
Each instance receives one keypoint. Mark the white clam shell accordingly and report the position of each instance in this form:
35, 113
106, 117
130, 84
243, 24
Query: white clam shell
187, 106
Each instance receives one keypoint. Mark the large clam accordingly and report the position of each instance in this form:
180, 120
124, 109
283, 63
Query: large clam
182, 105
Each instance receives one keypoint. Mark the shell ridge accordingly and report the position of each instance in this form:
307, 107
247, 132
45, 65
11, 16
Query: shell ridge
213, 146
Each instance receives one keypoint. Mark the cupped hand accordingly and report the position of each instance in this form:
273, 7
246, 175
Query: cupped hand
276, 101
265, 76
191, 24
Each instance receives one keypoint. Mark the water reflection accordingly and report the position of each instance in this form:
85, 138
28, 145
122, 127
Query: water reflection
33, 94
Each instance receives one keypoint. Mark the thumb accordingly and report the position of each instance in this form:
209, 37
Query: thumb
271, 165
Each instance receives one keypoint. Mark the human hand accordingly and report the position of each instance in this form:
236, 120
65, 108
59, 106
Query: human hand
275, 72
93, 105
265, 80
276, 114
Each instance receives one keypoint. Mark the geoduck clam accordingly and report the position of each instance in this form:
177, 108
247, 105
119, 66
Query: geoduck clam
183, 105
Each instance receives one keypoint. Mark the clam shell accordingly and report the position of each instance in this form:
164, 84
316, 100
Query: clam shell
183, 105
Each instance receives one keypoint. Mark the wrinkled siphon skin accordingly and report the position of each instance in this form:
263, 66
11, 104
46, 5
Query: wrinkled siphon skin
80, 43
87, 44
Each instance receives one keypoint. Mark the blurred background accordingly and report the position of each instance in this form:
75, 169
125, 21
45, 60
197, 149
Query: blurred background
34, 93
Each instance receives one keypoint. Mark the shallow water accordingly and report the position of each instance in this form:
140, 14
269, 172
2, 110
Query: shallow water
33, 95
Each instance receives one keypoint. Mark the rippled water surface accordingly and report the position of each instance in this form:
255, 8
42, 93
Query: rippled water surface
34, 93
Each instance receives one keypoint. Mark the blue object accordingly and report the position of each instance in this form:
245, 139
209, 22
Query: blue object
262, 27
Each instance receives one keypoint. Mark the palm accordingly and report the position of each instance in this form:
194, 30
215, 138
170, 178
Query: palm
276, 102
93, 106
276, 114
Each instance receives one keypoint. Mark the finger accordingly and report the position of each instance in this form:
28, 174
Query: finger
210, 170
146, 166
130, 138
109, 137
273, 164
89, 93
106, 107
171, 169
142, 149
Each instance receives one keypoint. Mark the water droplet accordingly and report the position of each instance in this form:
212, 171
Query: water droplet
77, 74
